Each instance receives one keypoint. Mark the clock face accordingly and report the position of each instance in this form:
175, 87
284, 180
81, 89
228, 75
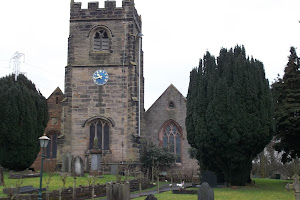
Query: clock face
100, 77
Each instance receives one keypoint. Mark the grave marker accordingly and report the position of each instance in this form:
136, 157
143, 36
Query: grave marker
205, 192
78, 166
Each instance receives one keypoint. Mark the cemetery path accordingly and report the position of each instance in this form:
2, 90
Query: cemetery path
164, 188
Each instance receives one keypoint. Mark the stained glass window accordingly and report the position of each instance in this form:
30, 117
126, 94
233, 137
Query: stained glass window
102, 130
172, 138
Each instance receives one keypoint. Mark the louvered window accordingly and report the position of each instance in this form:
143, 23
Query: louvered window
101, 41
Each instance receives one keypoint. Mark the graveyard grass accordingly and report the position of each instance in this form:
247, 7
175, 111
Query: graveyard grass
56, 181
265, 189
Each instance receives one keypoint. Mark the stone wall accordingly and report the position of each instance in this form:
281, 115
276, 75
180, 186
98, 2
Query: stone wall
54, 103
170, 106
116, 101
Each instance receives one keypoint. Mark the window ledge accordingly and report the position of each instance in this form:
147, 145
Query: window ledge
106, 52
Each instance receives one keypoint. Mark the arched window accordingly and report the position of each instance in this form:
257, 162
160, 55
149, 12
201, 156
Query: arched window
171, 137
51, 150
101, 41
101, 130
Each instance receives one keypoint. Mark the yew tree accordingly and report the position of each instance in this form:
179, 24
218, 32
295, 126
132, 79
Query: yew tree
23, 118
229, 113
286, 92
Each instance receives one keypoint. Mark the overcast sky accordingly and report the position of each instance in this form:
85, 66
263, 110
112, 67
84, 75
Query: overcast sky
176, 35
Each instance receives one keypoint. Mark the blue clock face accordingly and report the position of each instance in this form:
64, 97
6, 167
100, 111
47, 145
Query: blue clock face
100, 77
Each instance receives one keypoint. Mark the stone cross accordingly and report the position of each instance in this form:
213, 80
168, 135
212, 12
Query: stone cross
295, 186
205, 192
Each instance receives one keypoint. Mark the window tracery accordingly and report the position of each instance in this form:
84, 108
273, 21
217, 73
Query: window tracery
171, 137
100, 129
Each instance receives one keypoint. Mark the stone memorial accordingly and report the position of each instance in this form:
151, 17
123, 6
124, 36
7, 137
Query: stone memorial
151, 197
67, 162
114, 169
1, 177
117, 191
78, 166
205, 192
86, 163
96, 159
210, 178
295, 186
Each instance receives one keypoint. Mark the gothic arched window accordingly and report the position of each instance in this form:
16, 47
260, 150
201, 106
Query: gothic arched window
101, 130
101, 41
172, 137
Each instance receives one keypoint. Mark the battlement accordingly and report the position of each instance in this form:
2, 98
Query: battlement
107, 5
110, 11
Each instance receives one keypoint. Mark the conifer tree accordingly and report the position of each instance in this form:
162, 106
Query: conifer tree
23, 118
286, 92
229, 113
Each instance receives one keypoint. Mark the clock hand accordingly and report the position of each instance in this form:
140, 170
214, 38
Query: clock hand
98, 76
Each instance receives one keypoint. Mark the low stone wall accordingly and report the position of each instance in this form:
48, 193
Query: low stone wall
82, 192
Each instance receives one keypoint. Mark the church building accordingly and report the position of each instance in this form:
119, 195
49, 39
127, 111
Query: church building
104, 92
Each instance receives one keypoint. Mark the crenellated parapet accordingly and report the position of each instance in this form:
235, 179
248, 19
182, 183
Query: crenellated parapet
110, 11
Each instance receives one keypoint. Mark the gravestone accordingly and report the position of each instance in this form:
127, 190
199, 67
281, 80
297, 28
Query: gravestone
114, 169
210, 178
117, 191
96, 158
86, 163
1, 177
66, 162
151, 197
78, 166
205, 192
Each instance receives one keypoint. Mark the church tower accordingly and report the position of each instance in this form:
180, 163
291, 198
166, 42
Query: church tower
104, 83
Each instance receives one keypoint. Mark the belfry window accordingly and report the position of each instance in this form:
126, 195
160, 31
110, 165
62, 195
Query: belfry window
172, 138
101, 130
101, 41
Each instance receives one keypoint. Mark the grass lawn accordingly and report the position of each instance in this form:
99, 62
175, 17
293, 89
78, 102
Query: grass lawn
265, 189
55, 181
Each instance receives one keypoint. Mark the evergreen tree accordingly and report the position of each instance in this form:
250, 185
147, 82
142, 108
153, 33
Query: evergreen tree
286, 92
23, 118
229, 113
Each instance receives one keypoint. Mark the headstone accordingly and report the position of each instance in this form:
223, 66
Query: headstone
96, 161
117, 191
210, 178
86, 163
205, 192
114, 169
67, 162
78, 166
151, 197
1, 177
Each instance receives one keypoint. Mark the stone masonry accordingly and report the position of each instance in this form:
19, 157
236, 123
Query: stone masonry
159, 114
116, 101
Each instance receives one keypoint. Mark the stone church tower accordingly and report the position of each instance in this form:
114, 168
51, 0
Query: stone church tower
103, 82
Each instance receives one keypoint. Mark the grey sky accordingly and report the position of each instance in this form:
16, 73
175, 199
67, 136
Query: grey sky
176, 34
